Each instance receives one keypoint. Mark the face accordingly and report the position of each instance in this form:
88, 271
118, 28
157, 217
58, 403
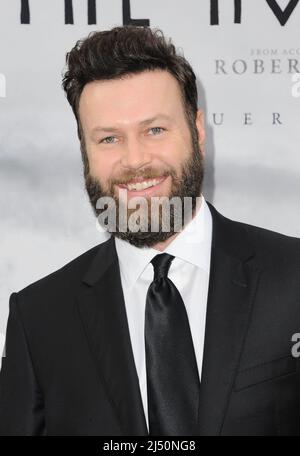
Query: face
135, 131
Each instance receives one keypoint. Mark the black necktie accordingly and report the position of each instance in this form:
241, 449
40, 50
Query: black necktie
172, 375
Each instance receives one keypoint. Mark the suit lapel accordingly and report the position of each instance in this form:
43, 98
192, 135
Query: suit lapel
103, 314
233, 281
232, 286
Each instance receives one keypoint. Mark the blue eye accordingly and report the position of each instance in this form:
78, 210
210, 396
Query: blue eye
107, 140
157, 130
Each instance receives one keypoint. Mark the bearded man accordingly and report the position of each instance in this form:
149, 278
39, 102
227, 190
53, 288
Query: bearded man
182, 322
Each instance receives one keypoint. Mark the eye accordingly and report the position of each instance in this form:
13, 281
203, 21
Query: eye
108, 140
157, 130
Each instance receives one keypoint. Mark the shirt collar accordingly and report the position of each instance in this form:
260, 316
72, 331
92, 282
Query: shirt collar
193, 245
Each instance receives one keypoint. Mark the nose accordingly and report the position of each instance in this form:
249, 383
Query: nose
135, 154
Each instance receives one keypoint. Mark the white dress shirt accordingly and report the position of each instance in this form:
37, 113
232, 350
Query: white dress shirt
189, 271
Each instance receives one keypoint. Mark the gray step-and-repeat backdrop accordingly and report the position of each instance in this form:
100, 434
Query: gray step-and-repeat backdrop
246, 54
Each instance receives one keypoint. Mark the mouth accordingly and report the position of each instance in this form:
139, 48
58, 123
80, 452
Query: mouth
143, 187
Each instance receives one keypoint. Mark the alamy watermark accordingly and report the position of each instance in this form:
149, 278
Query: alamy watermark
141, 214
296, 346
2, 86
296, 85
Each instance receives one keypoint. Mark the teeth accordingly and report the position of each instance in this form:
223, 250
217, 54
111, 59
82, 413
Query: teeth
143, 185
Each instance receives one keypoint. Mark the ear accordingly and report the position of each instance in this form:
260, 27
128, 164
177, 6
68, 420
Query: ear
200, 124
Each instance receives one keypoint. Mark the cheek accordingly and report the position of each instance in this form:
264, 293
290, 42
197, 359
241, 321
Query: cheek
101, 165
179, 145
175, 154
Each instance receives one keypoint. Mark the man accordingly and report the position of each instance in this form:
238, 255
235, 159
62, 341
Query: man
160, 332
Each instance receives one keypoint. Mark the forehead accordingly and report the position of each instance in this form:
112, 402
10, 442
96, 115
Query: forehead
131, 98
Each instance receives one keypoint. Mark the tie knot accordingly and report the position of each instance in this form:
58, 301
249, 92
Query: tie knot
161, 264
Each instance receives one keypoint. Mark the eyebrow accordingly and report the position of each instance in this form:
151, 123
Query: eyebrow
142, 123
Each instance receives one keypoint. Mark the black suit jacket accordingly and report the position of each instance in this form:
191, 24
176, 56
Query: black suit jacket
69, 366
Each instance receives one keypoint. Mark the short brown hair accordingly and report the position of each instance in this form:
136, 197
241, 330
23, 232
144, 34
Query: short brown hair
122, 51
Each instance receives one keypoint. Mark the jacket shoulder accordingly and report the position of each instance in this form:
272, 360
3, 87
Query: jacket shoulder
272, 241
269, 246
65, 279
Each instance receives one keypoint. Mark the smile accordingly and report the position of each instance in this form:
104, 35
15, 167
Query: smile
139, 186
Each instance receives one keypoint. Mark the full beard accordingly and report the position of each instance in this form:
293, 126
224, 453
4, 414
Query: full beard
187, 184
